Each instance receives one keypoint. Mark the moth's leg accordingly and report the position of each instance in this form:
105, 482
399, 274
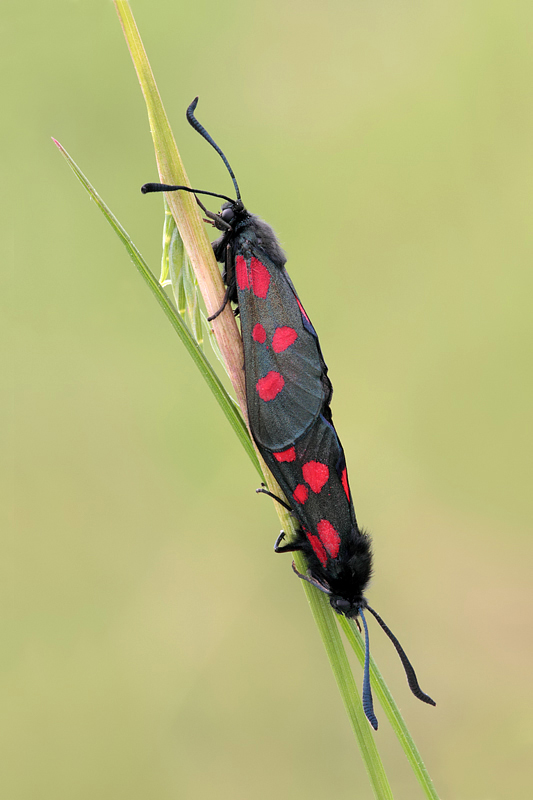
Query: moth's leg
213, 219
229, 278
289, 547
264, 490
223, 306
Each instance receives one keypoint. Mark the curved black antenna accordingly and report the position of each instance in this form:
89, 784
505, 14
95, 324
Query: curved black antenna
165, 187
408, 667
314, 583
368, 705
202, 131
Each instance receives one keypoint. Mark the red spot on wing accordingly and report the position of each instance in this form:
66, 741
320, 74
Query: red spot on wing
329, 537
260, 278
318, 547
283, 338
259, 333
270, 386
300, 306
315, 474
301, 493
241, 269
344, 479
286, 455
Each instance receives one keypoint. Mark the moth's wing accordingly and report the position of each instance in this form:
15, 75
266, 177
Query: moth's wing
315, 481
286, 380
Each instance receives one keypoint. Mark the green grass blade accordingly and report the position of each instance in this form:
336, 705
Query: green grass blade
210, 336
227, 405
168, 226
178, 287
190, 286
391, 709
177, 272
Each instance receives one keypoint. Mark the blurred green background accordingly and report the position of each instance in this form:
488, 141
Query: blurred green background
153, 645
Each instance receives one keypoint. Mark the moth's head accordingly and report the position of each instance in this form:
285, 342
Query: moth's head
349, 607
348, 580
344, 596
231, 211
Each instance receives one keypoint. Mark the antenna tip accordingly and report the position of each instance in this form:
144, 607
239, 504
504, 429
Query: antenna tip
192, 106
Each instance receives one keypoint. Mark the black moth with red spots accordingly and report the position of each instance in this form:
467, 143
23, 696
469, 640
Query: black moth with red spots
288, 395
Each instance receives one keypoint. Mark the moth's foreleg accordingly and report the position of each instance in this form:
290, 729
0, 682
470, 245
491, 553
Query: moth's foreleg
289, 547
264, 490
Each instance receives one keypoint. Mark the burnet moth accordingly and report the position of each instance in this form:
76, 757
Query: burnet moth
288, 395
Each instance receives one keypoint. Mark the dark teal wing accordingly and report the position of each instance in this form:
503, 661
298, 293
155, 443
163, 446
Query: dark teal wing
286, 377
